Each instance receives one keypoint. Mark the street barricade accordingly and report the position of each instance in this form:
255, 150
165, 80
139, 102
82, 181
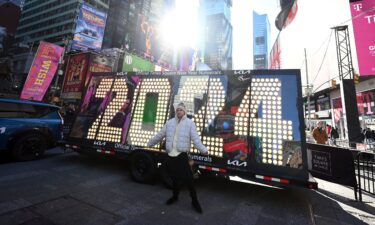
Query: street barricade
333, 164
365, 167
343, 165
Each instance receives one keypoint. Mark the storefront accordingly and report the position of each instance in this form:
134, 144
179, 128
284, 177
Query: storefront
366, 109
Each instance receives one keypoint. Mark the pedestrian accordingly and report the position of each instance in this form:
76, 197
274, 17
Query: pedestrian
319, 134
334, 135
179, 132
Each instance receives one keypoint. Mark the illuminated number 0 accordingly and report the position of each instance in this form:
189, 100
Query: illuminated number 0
161, 86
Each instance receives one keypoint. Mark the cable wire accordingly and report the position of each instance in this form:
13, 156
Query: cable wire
325, 54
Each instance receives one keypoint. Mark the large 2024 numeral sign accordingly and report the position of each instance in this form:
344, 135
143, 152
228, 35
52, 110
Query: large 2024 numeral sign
260, 92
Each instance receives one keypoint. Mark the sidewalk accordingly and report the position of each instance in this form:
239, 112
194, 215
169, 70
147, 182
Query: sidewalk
335, 204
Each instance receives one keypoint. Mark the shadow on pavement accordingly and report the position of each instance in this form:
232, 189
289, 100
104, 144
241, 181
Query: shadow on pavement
332, 208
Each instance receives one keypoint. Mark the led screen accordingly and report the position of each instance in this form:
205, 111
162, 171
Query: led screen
89, 30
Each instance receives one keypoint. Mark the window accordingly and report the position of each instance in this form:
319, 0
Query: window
14, 110
259, 40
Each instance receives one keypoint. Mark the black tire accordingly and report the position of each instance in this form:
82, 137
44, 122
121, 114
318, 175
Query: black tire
164, 176
142, 167
29, 147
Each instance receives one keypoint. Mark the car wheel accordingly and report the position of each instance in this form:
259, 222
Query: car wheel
29, 147
142, 167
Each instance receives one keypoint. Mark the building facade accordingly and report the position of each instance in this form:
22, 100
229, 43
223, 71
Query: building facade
53, 21
217, 31
261, 41
122, 23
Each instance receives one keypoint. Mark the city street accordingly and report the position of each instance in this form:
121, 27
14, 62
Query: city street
67, 188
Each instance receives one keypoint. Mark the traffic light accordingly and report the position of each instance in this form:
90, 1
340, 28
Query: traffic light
333, 84
356, 78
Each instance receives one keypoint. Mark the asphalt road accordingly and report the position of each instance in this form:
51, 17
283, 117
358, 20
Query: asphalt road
67, 188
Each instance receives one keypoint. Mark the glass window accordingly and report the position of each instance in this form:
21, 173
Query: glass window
14, 110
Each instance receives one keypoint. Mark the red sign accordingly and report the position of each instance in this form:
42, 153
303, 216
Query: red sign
75, 76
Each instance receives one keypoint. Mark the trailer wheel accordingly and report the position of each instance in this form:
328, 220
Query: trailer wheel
142, 168
164, 176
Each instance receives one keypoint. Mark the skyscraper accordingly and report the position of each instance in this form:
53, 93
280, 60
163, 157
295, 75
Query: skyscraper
218, 34
122, 24
52, 21
261, 41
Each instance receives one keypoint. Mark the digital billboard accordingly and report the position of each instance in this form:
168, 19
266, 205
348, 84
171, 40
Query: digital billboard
364, 33
133, 63
90, 28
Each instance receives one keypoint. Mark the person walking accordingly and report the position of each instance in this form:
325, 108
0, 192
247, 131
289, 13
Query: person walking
319, 134
179, 132
334, 135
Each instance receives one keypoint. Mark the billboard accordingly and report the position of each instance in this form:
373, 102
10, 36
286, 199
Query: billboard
42, 71
90, 28
363, 20
133, 63
79, 69
75, 75
99, 63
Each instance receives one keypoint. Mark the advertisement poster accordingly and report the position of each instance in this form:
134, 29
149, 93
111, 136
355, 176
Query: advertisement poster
75, 75
90, 29
42, 71
363, 20
79, 71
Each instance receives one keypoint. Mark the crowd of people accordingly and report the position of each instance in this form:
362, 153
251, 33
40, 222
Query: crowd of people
327, 134
368, 136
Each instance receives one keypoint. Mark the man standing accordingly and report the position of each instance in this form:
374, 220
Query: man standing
179, 132
319, 134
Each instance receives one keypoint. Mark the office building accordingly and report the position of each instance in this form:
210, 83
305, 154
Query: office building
216, 48
261, 40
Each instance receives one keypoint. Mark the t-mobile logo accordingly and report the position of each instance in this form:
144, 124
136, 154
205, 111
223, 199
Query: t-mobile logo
370, 19
357, 7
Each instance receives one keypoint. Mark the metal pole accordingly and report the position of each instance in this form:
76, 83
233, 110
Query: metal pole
344, 130
308, 94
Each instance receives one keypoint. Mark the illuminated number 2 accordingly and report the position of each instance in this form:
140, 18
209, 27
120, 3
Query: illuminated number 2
106, 132
271, 128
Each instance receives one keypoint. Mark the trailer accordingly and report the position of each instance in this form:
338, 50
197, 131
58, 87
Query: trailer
251, 121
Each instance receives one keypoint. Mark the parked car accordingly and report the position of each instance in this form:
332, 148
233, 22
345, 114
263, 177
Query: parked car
28, 128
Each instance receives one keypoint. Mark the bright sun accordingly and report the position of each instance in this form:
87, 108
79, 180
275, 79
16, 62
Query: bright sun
179, 27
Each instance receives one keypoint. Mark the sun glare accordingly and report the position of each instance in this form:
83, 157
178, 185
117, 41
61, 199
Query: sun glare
179, 27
